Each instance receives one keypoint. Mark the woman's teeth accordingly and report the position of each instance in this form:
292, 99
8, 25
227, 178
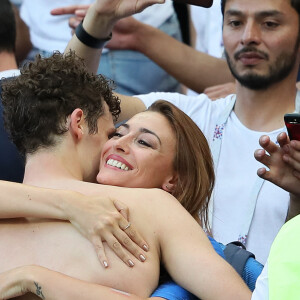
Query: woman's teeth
117, 164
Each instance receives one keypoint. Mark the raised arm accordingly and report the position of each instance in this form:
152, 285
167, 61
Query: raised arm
97, 218
98, 23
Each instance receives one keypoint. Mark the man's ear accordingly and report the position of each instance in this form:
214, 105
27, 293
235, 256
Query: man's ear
77, 123
170, 184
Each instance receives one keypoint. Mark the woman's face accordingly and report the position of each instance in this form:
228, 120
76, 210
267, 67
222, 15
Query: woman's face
140, 154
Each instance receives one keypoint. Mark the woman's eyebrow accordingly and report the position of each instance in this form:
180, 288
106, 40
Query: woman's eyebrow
145, 130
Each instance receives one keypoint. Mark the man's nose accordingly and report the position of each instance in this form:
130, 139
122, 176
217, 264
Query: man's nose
251, 34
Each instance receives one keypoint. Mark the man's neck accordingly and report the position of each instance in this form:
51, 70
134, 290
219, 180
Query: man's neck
48, 166
7, 61
263, 110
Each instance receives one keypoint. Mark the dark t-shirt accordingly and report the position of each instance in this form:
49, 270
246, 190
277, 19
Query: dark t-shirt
11, 162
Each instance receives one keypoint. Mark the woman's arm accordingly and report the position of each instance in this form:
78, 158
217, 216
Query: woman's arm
97, 218
189, 257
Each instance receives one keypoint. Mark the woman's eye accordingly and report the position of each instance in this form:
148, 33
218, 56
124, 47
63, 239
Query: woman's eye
115, 134
142, 142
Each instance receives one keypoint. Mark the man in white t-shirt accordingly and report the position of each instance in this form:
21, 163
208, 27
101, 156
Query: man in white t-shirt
262, 48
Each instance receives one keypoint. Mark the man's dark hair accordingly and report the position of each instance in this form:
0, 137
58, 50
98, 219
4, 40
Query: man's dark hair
7, 27
38, 102
294, 3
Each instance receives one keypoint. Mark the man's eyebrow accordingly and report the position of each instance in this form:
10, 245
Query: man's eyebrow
233, 12
269, 13
143, 130
260, 14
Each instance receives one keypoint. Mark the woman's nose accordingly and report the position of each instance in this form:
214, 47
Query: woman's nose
122, 144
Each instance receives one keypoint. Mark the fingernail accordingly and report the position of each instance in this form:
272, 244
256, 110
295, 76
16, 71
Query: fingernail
130, 262
105, 264
260, 152
145, 247
142, 257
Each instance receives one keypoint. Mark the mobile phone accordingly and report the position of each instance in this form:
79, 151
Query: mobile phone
204, 3
292, 123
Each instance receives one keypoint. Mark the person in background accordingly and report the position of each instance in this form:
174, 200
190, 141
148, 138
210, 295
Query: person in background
11, 162
125, 67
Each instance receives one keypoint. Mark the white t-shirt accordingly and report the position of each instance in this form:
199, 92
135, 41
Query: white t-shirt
235, 174
208, 27
51, 33
9, 73
261, 291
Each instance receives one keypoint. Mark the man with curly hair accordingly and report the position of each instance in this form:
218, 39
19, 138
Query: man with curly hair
43, 104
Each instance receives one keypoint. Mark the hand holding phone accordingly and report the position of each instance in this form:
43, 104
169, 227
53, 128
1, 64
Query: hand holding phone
292, 123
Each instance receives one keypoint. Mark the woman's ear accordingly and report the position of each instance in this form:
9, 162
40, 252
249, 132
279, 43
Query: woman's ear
170, 184
77, 123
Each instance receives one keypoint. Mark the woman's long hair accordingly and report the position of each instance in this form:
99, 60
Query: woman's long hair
193, 162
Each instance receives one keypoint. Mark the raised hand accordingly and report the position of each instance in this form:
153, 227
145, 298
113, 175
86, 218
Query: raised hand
283, 162
119, 9
78, 10
116, 9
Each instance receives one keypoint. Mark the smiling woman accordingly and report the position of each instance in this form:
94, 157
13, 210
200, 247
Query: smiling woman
161, 148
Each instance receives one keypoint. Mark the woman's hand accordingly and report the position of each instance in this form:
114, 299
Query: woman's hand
103, 219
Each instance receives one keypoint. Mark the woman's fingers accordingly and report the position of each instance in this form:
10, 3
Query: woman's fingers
119, 250
98, 245
130, 239
130, 231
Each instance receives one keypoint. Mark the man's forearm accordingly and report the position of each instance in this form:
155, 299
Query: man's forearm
194, 69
